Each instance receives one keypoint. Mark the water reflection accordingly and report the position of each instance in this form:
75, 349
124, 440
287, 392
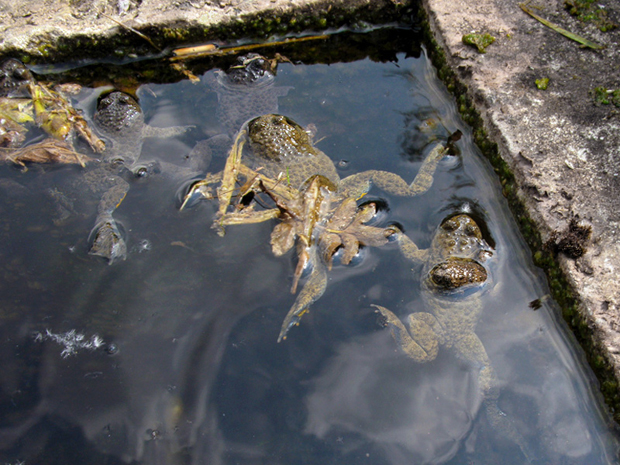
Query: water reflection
196, 375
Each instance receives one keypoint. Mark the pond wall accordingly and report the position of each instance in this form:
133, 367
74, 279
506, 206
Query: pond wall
556, 150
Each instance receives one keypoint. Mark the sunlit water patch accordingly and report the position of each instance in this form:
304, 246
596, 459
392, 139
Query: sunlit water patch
170, 357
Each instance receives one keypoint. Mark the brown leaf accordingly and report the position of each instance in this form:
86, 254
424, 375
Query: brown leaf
48, 151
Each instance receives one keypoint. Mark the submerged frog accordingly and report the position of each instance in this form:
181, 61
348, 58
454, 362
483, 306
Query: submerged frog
15, 79
453, 281
317, 209
120, 119
245, 90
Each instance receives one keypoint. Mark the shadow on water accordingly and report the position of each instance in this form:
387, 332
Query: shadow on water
170, 357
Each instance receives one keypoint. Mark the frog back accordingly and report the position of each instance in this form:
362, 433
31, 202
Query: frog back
282, 148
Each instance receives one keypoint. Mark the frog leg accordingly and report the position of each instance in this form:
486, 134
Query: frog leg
408, 248
164, 133
470, 347
249, 217
310, 293
229, 175
202, 189
107, 239
358, 184
421, 341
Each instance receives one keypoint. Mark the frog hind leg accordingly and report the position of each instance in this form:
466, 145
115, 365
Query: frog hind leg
310, 293
107, 240
471, 348
421, 341
359, 183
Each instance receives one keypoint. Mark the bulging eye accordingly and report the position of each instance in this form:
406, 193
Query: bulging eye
118, 161
141, 172
449, 225
471, 230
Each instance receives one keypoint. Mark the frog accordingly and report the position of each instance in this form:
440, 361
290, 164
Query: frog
15, 79
119, 118
317, 210
245, 90
454, 278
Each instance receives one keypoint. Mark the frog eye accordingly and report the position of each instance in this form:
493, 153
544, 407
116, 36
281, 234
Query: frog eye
141, 172
21, 73
118, 161
471, 230
278, 119
450, 225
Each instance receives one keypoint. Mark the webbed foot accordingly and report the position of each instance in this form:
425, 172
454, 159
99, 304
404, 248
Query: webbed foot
421, 341
108, 241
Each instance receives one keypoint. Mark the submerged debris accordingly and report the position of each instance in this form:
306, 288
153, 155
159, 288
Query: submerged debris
537, 304
47, 151
56, 116
481, 41
72, 341
572, 242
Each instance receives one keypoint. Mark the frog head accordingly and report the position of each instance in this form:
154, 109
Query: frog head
459, 248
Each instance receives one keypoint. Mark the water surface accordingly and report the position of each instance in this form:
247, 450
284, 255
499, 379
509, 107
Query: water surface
179, 363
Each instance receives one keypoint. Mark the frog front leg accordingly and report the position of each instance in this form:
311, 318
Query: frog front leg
107, 239
358, 184
421, 341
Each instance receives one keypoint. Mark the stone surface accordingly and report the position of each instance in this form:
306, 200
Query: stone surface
563, 149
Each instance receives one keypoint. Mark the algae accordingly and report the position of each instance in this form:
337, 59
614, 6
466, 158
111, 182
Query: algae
589, 11
603, 96
480, 41
542, 83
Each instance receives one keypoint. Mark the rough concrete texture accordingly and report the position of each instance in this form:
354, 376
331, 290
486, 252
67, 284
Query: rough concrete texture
27, 24
562, 148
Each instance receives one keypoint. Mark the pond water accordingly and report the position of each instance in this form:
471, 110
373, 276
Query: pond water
170, 357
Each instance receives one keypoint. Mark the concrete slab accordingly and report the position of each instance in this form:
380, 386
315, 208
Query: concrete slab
562, 149
561, 146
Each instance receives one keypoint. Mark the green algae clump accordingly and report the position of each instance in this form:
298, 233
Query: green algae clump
481, 41
602, 96
586, 10
542, 83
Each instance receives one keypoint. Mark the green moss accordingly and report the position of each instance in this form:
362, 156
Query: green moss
480, 41
560, 288
590, 11
542, 83
603, 96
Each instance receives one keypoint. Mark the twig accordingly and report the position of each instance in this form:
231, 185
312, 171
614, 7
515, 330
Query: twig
564, 32
210, 49
134, 31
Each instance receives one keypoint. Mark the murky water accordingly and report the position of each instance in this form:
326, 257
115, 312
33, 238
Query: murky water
178, 363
